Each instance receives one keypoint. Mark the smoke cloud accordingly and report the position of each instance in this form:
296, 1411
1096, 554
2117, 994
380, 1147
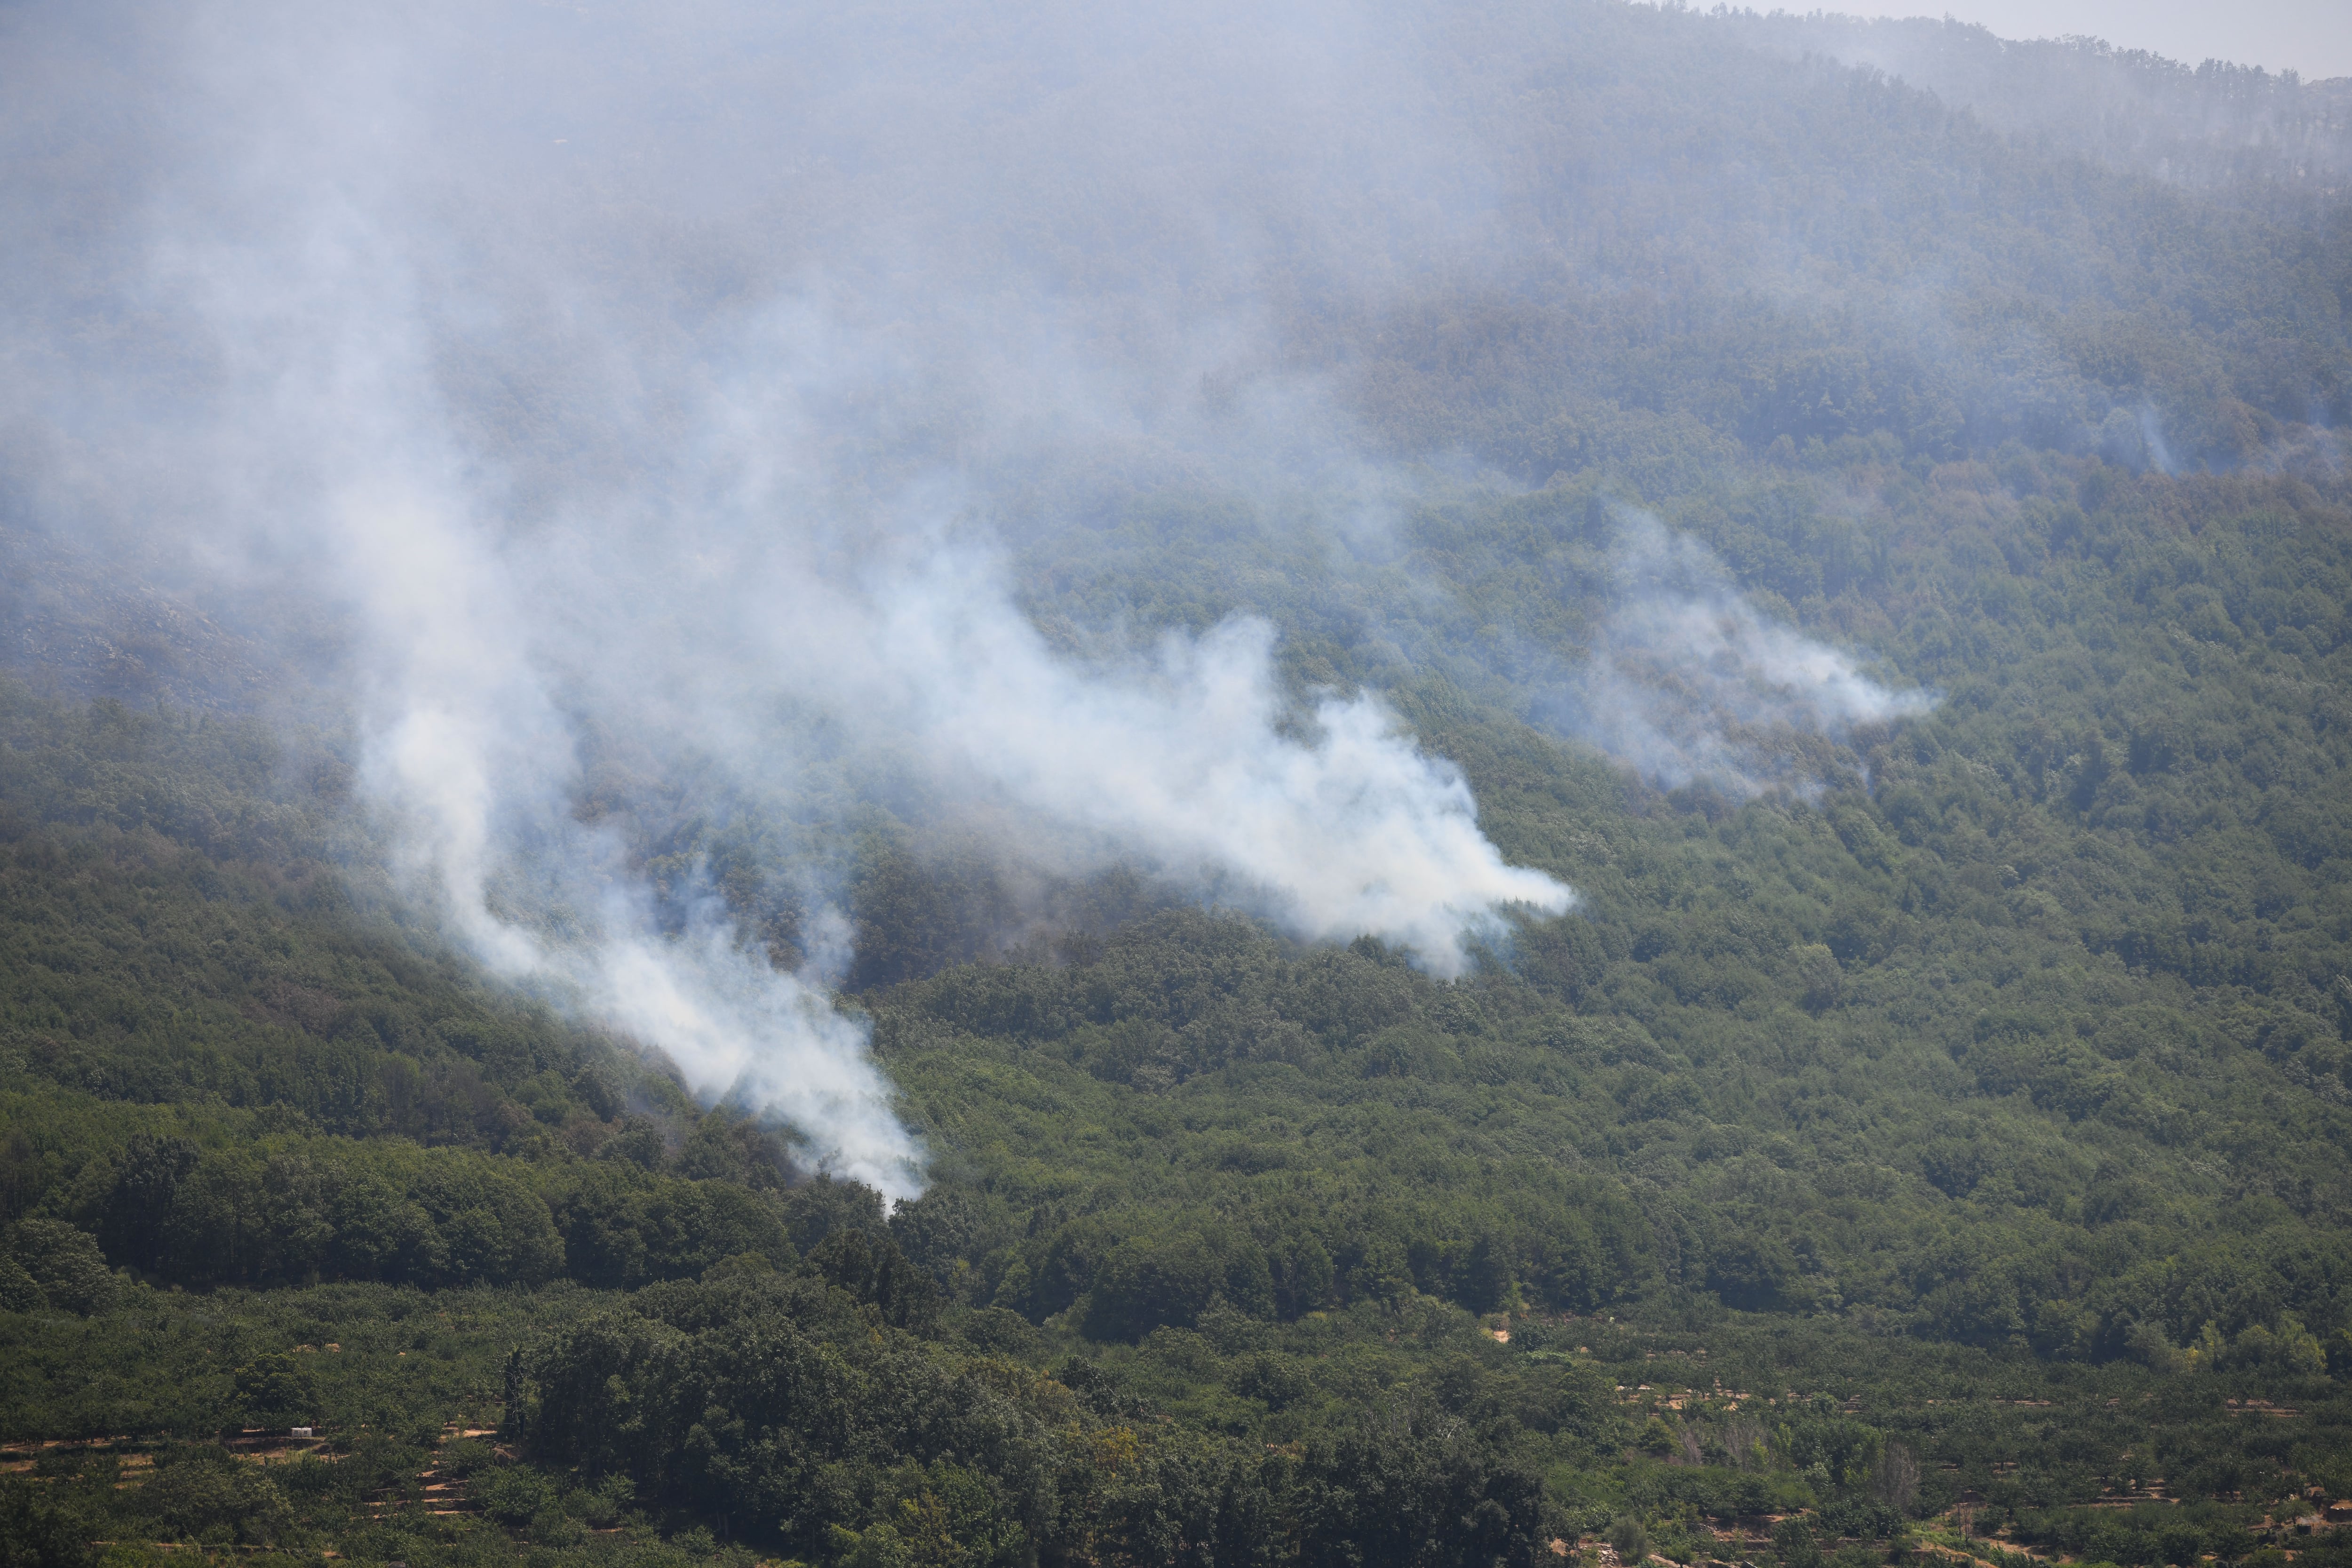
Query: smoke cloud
1686, 679
600, 382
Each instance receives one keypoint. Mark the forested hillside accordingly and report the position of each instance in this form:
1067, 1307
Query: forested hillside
1892, 559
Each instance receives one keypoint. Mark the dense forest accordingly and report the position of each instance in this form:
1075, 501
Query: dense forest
1928, 1135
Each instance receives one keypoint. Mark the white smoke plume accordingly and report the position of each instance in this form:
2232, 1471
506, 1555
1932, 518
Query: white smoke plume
583, 419
1687, 680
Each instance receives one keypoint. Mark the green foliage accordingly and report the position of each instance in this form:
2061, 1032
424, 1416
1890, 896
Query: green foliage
276, 1391
200, 1493
1931, 1082
36, 1531
56, 1264
1410, 1486
1964, 1115
768, 1401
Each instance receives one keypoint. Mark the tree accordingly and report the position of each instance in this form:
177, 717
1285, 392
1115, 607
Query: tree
65, 1263
276, 1391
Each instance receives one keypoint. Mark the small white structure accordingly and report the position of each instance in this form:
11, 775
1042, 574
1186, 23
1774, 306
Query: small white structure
301, 1431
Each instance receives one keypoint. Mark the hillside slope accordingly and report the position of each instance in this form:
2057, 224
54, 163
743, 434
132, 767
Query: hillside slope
1892, 560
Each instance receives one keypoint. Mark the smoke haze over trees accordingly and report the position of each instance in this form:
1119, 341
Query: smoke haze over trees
1335, 782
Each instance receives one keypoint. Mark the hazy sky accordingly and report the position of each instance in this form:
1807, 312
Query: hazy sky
2313, 36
